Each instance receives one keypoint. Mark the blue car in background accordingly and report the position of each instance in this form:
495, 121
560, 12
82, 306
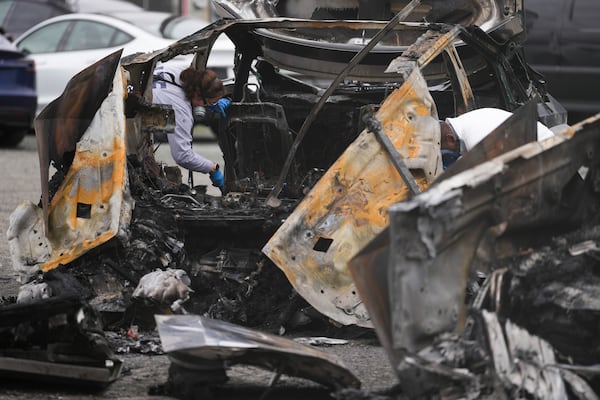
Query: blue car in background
18, 97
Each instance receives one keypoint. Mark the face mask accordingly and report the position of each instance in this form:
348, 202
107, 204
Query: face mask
448, 157
199, 113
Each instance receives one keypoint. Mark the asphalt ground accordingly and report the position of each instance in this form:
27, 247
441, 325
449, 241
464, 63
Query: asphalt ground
19, 178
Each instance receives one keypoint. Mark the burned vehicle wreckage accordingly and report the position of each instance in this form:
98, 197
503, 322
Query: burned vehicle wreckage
335, 197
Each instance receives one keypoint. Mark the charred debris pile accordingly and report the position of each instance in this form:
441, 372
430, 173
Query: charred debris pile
530, 332
231, 283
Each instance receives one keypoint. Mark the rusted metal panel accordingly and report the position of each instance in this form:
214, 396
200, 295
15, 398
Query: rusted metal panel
89, 202
348, 206
424, 49
62, 123
92, 201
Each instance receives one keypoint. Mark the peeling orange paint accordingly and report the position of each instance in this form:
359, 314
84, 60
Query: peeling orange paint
95, 182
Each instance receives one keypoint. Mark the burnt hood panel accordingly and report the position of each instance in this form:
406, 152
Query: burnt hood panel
198, 341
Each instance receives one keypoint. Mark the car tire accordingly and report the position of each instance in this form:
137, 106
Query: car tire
11, 138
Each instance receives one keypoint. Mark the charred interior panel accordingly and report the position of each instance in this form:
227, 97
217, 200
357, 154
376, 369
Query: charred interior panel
55, 340
258, 138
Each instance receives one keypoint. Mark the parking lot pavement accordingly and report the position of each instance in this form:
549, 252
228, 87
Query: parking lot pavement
20, 180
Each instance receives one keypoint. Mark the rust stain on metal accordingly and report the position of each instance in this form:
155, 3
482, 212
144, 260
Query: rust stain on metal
86, 210
82, 188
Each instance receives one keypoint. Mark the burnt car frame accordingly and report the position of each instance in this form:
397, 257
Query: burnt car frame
322, 54
410, 234
91, 197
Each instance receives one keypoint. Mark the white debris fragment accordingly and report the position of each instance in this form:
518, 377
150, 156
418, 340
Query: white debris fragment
320, 341
27, 242
33, 292
164, 287
583, 247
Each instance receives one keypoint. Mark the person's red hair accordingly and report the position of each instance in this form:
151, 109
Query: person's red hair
204, 82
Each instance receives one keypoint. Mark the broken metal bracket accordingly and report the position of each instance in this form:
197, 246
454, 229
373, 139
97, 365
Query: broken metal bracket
374, 126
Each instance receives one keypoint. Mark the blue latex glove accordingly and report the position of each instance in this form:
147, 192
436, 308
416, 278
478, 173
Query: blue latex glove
216, 177
221, 106
449, 157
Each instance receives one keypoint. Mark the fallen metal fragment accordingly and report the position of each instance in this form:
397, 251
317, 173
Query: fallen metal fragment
583, 247
57, 340
196, 343
523, 361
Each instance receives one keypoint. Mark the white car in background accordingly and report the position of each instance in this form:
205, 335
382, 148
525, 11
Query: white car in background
64, 45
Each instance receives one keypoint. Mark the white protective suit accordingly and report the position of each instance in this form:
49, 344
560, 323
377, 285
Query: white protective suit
167, 90
471, 127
